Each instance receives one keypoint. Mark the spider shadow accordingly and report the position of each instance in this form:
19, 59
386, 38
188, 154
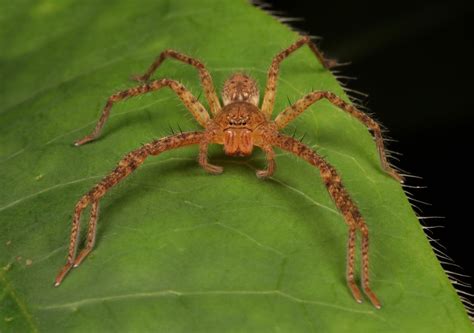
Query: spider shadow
275, 184
310, 224
129, 192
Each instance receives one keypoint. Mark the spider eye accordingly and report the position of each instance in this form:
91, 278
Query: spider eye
238, 121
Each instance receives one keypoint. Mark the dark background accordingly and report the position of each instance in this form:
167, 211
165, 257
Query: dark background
415, 61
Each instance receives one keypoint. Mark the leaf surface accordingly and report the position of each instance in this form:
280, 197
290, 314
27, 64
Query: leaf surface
179, 250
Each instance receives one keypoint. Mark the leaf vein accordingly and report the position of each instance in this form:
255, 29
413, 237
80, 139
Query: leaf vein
22, 306
250, 238
170, 292
32, 195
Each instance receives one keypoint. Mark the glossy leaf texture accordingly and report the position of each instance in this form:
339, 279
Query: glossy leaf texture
179, 250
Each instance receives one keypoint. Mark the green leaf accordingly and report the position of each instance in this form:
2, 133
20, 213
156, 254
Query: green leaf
179, 250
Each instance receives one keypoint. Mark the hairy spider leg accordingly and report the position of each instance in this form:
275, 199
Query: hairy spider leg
270, 90
126, 166
271, 165
204, 162
293, 111
205, 77
351, 244
344, 203
216, 169
191, 103
91, 232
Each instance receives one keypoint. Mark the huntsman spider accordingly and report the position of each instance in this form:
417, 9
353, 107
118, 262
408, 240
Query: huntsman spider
238, 124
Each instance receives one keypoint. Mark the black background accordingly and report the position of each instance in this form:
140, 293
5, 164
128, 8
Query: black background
415, 61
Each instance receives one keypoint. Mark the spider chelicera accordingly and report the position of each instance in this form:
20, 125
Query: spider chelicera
238, 125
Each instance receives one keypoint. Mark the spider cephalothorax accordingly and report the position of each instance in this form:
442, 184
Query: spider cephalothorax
236, 127
240, 125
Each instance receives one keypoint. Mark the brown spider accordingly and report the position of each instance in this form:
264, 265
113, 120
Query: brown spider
239, 125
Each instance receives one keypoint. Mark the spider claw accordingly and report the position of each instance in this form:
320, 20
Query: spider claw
82, 255
333, 63
213, 169
62, 273
372, 297
395, 175
355, 291
84, 140
330, 63
263, 173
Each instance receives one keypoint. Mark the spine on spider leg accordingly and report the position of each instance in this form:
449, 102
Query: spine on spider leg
125, 167
186, 97
371, 125
302, 104
205, 77
117, 97
331, 179
134, 159
344, 203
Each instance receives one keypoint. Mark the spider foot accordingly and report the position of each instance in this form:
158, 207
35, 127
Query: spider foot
372, 297
264, 173
331, 63
355, 291
85, 139
82, 255
395, 175
213, 169
62, 273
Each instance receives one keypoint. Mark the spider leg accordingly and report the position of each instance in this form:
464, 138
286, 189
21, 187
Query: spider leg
205, 77
270, 156
351, 243
203, 161
345, 204
365, 266
126, 166
74, 237
302, 104
270, 90
90, 234
191, 103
